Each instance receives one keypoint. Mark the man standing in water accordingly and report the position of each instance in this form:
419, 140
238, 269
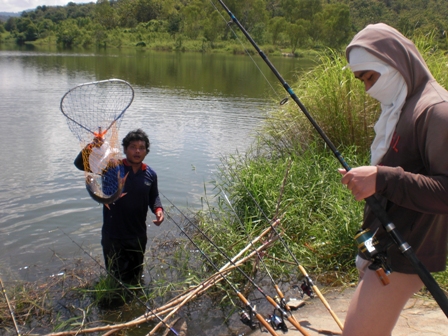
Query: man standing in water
124, 221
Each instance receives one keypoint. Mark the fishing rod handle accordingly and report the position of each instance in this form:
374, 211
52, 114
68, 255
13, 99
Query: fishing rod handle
266, 324
257, 315
324, 301
321, 297
279, 292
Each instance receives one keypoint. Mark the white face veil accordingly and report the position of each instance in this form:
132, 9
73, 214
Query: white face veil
390, 90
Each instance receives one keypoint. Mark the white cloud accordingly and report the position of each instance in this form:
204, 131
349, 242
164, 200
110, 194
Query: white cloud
21, 5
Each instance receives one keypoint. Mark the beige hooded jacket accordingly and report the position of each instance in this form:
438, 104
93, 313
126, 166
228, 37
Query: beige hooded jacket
412, 180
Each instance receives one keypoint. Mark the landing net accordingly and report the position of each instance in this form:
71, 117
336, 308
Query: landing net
94, 112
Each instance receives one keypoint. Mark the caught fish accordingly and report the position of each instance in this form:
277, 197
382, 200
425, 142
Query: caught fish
95, 191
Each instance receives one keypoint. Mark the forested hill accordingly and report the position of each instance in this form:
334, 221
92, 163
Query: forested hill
284, 24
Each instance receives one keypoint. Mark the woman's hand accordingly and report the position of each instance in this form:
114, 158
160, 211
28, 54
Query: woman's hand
361, 181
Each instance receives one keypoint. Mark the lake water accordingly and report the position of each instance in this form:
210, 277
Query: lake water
195, 108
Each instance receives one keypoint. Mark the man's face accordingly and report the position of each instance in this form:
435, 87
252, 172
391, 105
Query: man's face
136, 152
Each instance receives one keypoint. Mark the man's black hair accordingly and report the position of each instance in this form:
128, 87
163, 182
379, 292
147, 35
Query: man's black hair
136, 135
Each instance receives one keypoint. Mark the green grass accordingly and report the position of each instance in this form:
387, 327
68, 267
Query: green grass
319, 216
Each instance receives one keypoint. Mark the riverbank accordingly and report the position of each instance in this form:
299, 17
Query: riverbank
197, 46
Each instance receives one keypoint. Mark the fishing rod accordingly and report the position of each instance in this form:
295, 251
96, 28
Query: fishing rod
281, 296
246, 317
267, 297
10, 308
308, 286
124, 286
426, 277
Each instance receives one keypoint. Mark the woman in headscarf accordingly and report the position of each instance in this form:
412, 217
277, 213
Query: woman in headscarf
408, 173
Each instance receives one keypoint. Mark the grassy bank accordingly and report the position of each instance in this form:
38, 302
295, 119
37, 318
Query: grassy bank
319, 216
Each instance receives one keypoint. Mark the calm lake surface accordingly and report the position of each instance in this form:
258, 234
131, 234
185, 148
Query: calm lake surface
195, 108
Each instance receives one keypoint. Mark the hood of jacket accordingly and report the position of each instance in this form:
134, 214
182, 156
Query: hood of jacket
389, 45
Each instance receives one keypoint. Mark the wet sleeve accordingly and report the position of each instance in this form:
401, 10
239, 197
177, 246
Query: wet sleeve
79, 161
426, 193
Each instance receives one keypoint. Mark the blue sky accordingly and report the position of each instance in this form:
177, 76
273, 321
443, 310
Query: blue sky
20, 5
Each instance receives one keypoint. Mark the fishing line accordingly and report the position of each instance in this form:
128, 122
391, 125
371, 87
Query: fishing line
123, 285
239, 294
267, 297
426, 277
282, 100
10, 308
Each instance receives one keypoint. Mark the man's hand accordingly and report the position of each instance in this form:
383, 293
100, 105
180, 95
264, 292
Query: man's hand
361, 181
160, 217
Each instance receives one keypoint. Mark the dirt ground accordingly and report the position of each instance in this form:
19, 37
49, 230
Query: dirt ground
421, 317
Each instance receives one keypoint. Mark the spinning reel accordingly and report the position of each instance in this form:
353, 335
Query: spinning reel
247, 317
277, 321
366, 244
305, 288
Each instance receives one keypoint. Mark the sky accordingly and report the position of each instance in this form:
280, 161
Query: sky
21, 5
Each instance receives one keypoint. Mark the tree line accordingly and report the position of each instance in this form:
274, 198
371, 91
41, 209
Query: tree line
284, 24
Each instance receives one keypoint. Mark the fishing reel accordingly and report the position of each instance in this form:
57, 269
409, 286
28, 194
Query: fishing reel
277, 322
304, 288
280, 301
367, 245
248, 319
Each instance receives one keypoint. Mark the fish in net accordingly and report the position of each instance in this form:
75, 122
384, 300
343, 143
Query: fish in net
94, 112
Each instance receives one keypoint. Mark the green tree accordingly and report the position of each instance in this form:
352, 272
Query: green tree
105, 14
249, 12
301, 9
336, 24
55, 14
212, 27
174, 22
146, 10
297, 33
276, 26
167, 8
26, 30
44, 27
11, 24
67, 33
125, 10
191, 19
